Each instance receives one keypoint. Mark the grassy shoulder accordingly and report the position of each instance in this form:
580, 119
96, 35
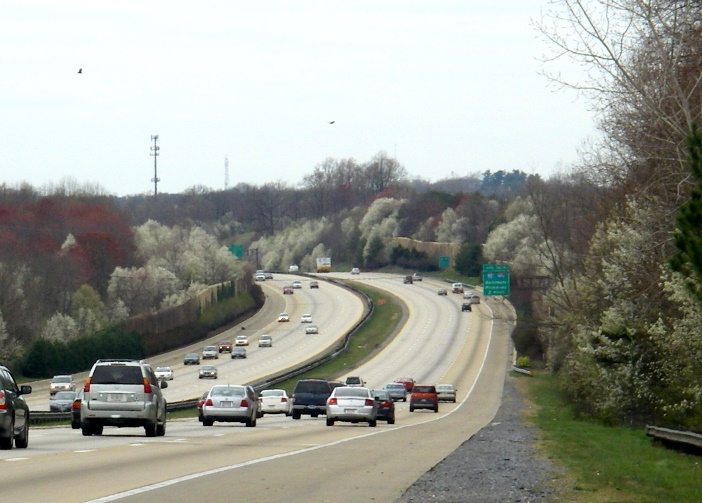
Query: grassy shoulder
602, 463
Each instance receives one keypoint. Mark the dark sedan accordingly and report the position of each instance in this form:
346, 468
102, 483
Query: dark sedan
62, 401
386, 406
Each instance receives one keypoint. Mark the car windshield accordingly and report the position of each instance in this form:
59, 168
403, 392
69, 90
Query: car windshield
394, 386
112, 374
352, 392
272, 392
423, 389
62, 379
191, 355
210, 348
162, 369
64, 395
312, 387
444, 388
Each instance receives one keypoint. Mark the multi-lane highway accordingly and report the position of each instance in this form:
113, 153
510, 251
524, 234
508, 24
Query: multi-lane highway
283, 459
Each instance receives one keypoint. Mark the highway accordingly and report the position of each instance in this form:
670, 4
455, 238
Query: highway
282, 459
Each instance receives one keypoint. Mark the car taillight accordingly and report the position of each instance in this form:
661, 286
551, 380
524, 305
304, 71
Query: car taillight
244, 403
385, 403
283, 399
332, 401
86, 388
208, 403
369, 402
75, 405
147, 385
2, 400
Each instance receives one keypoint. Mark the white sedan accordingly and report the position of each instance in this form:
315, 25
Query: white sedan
164, 373
283, 317
312, 329
275, 401
306, 318
352, 404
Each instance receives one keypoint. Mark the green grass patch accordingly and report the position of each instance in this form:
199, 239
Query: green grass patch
607, 464
372, 336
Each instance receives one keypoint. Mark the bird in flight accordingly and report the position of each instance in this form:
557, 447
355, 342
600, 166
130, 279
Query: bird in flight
80, 70
332, 122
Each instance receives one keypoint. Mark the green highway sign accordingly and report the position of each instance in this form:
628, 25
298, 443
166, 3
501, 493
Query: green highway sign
495, 280
443, 262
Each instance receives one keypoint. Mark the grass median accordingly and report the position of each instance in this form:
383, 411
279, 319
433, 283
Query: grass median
604, 463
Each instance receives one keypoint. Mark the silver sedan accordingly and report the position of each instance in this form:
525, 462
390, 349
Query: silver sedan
352, 404
230, 403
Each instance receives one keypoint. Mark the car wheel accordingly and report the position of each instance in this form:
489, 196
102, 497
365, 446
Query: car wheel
151, 429
436, 409
411, 409
75, 425
454, 400
6, 443
391, 419
296, 414
373, 423
86, 430
207, 422
22, 440
330, 421
161, 429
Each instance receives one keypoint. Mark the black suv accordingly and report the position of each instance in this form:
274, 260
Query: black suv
14, 419
310, 397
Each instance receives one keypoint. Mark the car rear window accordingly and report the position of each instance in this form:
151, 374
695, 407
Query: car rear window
113, 374
312, 387
424, 389
344, 391
226, 391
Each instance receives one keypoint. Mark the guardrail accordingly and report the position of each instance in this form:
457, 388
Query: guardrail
679, 438
38, 418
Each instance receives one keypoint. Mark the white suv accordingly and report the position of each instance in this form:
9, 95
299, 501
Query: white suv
123, 393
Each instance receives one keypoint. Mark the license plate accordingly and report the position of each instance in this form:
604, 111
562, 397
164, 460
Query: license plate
226, 404
116, 397
350, 411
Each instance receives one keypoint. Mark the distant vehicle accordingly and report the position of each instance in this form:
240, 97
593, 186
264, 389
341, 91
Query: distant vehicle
467, 294
408, 280
208, 372
314, 284
311, 329
306, 318
466, 307
230, 403
297, 284
238, 352
293, 268
61, 383
354, 381
191, 359
323, 264
442, 291
475, 299
283, 317
407, 382
417, 276
210, 353
62, 401
75, 410
164, 373
424, 396
355, 270
457, 288
268, 275
446, 393
14, 419
386, 406
241, 340
224, 346
396, 390
260, 277
352, 404
310, 397
275, 401
288, 290
265, 341
200, 403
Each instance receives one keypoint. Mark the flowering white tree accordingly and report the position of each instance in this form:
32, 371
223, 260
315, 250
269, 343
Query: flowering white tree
142, 289
60, 328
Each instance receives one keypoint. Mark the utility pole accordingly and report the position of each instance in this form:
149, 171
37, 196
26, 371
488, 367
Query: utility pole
155, 154
226, 173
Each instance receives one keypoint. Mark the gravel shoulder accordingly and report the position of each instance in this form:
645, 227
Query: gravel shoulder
498, 464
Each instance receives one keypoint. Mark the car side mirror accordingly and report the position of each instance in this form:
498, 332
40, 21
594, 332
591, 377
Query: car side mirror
164, 383
25, 389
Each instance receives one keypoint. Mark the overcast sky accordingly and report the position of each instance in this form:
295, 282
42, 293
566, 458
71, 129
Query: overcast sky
447, 88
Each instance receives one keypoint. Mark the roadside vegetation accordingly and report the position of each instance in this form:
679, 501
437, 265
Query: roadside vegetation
605, 463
